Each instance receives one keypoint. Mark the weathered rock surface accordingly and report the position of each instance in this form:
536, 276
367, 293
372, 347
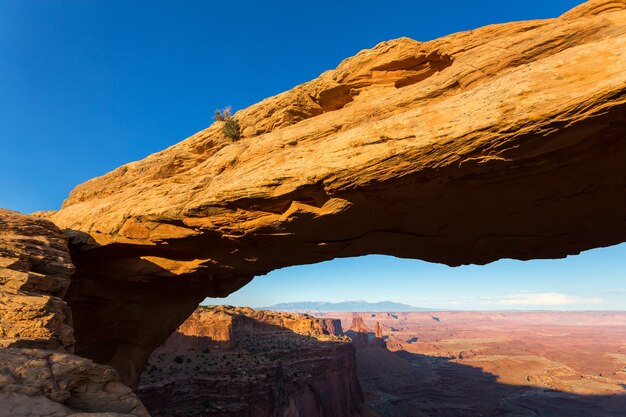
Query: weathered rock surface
35, 271
238, 362
38, 382
38, 374
504, 141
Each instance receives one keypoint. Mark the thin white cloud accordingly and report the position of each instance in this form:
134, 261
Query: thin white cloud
546, 298
529, 299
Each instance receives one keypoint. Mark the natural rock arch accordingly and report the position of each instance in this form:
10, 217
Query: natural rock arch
503, 142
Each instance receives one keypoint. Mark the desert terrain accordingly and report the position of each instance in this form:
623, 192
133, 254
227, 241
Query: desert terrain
232, 361
501, 142
494, 363
237, 362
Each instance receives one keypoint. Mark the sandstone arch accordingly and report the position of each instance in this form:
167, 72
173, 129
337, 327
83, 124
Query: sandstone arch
506, 141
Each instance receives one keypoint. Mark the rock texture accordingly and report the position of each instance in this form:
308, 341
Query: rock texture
38, 382
238, 362
501, 142
35, 271
38, 374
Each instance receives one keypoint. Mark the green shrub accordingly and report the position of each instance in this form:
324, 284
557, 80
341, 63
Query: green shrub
230, 125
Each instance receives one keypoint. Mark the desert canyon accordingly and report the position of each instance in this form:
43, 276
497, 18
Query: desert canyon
228, 361
232, 361
506, 141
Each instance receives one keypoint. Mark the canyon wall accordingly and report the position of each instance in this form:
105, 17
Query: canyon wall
238, 362
220, 327
501, 142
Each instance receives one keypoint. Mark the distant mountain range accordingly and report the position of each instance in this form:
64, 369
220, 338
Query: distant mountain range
344, 306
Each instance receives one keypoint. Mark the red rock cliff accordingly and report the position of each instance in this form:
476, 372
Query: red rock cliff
236, 362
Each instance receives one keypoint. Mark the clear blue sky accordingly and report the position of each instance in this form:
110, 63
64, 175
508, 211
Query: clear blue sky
593, 280
86, 86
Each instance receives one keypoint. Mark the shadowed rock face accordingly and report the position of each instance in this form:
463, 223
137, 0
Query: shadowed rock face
502, 142
236, 362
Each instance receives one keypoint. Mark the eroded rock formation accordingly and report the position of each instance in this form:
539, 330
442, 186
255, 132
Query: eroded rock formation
38, 374
504, 141
378, 331
378, 336
222, 327
238, 362
359, 332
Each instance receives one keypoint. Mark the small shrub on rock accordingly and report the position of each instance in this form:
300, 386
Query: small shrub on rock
230, 125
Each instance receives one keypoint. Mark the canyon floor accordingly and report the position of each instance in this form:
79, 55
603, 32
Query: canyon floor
513, 364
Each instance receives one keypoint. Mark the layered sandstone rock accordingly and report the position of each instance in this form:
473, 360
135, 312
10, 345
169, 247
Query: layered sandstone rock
38, 374
35, 271
238, 362
38, 382
504, 141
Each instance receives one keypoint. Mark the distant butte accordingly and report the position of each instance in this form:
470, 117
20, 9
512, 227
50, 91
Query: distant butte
502, 142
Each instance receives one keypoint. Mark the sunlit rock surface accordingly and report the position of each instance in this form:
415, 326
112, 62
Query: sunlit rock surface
35, 271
